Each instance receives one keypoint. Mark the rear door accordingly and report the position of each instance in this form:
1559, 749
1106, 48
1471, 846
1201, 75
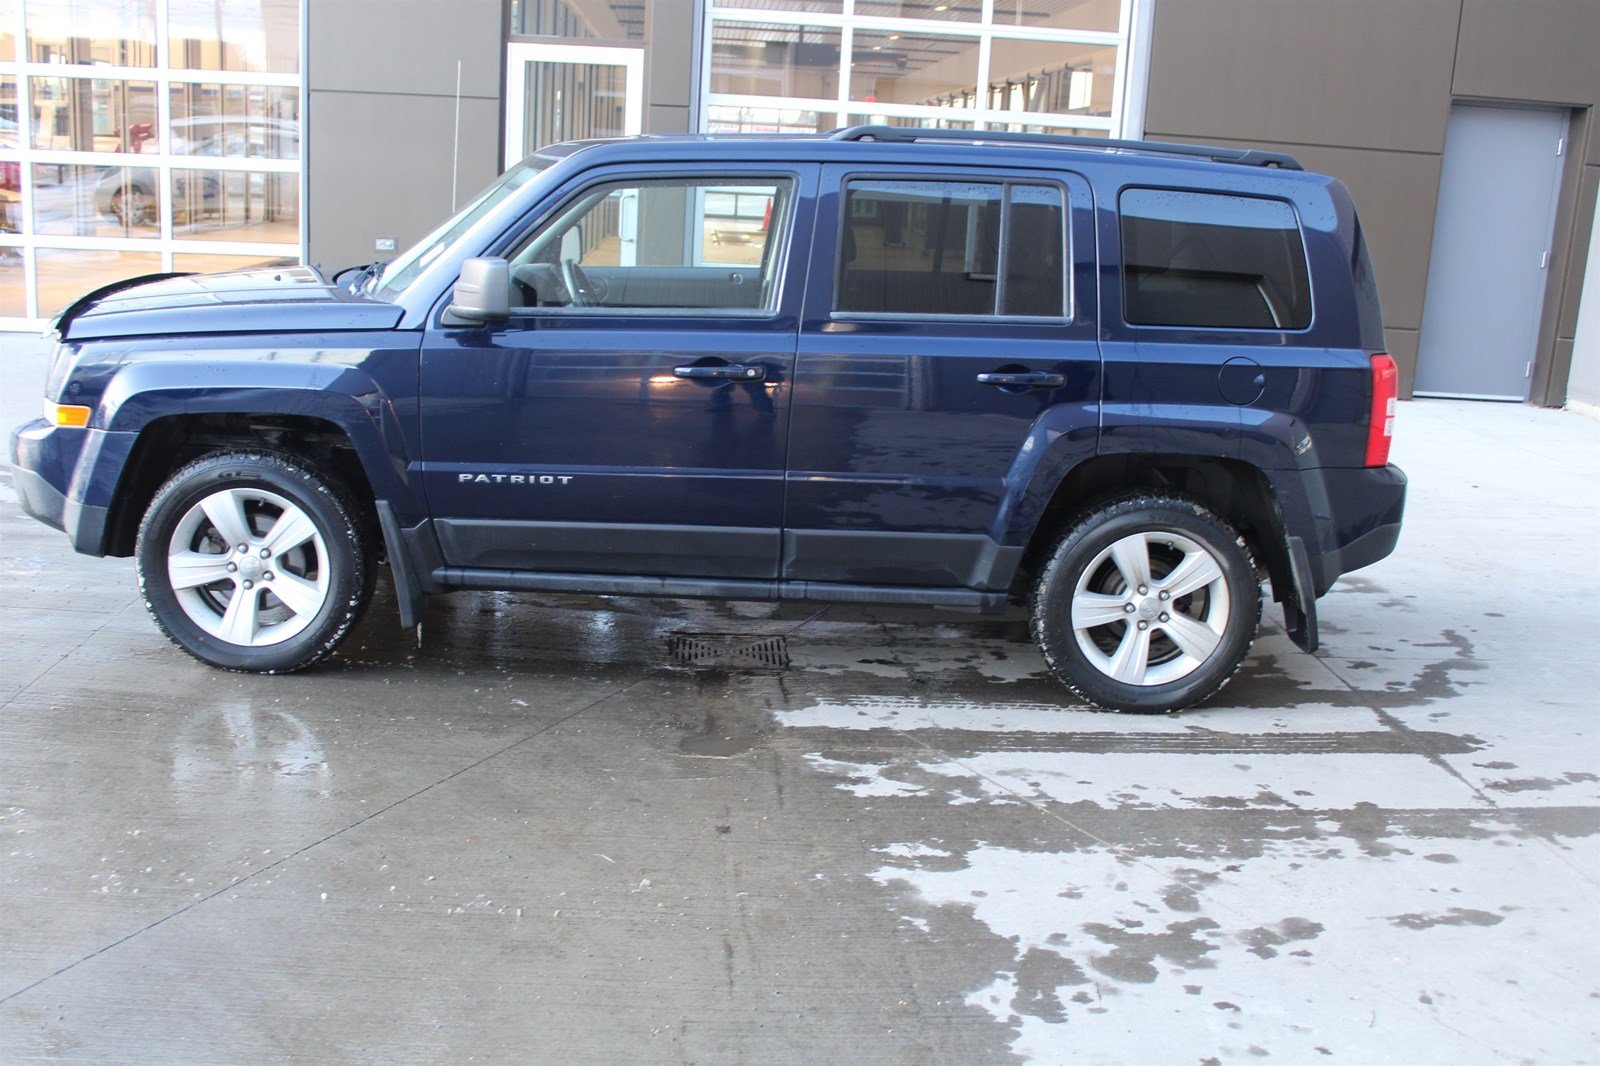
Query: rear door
632, 415
948, 342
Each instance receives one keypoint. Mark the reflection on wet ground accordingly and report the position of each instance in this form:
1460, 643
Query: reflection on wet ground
570, 829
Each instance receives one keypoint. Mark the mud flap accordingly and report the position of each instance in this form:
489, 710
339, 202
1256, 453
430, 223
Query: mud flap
407, 589
1300, 606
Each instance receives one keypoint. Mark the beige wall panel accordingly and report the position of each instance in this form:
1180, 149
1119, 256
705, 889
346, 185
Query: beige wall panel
410, 47
1536, 50
384, 168
1345, 72
1395, 193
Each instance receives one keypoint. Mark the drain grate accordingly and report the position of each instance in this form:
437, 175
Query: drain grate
734, 651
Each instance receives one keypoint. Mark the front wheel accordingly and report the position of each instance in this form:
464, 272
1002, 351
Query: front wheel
1149, 603
253, 561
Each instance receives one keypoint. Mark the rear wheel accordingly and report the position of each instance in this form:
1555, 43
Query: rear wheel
253, 561
1148, 604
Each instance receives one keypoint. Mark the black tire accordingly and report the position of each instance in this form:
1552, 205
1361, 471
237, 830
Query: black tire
1083, 545
332, 510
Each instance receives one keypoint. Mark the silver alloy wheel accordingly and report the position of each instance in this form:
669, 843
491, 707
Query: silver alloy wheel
1151, 608
249, 567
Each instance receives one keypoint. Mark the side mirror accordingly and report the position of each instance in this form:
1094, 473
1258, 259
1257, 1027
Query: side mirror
484, 292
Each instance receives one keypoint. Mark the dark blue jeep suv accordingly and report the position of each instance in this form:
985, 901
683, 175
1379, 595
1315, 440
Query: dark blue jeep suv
1116, 380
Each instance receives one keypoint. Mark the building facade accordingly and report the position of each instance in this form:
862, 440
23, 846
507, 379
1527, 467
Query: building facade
167, 134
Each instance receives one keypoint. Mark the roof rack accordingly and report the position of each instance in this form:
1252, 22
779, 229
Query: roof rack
1250, 157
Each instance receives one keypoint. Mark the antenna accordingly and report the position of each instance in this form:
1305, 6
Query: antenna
455, 158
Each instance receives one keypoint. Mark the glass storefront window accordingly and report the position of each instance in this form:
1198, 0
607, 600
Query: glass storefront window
755, 59
1045, 76
93, 114
206, 263
1059, 60
87, 161
13, 283
725, 119
1103, 16
582, 20
944, 10
236, 205
914, 68
10, 132
251, 35
118, 33
95, 201
237, 121
64, 274
939, 123
822, 7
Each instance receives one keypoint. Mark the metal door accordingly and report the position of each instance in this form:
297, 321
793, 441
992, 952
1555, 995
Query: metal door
1491, 252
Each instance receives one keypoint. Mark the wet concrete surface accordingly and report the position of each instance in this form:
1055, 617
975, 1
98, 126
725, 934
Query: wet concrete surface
580, 830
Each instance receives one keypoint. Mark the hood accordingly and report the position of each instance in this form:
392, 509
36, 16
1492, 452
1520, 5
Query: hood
267, 300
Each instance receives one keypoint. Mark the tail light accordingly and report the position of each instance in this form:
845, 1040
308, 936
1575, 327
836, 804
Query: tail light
1380, 423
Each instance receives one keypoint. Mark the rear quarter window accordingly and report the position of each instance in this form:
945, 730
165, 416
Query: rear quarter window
1213, 261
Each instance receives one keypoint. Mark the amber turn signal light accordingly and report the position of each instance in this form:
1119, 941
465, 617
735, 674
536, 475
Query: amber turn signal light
66, 414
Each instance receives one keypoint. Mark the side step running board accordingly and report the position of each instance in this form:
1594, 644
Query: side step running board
455, 577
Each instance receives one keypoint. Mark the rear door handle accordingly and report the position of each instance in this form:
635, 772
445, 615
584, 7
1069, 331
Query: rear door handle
1023, 379
722, 372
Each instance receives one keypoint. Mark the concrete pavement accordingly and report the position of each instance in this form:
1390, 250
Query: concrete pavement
552, 834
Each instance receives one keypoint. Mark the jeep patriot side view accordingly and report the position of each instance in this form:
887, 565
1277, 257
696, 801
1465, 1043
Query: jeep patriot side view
1116, 380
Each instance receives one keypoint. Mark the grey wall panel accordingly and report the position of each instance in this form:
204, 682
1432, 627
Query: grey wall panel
671, 69
1583, 382
368, 182
659, 119
1394, 192
409, 47
1533, 50
1402, 345
1585, 211
1372, 75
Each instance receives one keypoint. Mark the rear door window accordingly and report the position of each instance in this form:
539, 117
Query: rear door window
940, 248
1211, 260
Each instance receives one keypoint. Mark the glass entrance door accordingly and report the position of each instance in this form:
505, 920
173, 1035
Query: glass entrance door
561, 92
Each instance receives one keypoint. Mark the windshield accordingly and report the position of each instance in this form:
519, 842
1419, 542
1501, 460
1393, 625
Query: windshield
395, 276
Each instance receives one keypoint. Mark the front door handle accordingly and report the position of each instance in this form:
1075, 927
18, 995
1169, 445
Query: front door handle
722, 372
1023, 379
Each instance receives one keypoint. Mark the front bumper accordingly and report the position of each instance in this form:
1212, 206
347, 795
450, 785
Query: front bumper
66, 477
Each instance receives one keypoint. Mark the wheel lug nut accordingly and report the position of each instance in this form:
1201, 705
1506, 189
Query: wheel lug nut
1166, 595
1144, 625
232, 567
244, 548
1164, 618
266, 552
268, 577
1128, 608
1143, 590
249, 584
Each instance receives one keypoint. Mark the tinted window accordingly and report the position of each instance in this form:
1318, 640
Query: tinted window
1202, 259
689, 244
934, 248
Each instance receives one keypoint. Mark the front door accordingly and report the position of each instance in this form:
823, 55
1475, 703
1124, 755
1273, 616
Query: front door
1491, 252
948, 347
565, 92
632, 416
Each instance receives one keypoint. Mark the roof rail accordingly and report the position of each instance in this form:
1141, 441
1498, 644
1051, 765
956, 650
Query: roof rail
1253, 157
